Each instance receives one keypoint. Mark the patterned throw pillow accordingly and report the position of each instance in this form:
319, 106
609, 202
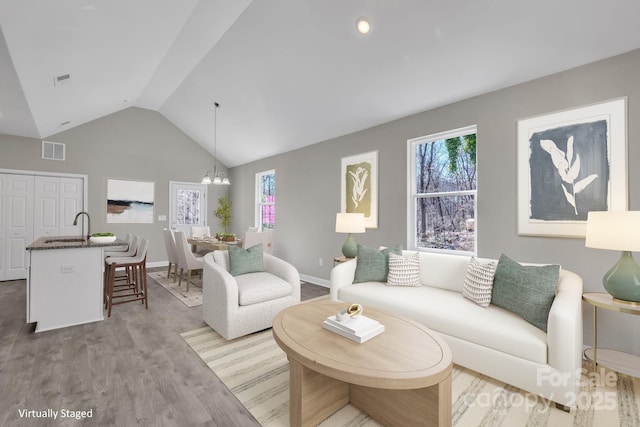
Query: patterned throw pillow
478, 282
242, 261
372, 265
404, 270
525, 290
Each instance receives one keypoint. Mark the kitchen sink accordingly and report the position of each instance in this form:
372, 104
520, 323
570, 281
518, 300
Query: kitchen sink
66, 240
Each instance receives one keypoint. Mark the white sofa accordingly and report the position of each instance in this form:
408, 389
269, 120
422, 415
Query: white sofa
240, 305
491, 341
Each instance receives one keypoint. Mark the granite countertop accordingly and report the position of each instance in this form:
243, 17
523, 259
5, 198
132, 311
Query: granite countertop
68, 242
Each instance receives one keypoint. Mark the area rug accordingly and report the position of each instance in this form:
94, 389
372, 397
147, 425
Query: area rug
256, 371
193, 298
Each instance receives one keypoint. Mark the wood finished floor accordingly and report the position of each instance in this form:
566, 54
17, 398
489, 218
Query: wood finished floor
132, 369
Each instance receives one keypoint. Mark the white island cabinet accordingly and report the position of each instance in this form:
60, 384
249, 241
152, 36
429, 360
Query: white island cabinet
64, 282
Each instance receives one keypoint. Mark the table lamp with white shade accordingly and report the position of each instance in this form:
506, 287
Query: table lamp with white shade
618, 230
350, 223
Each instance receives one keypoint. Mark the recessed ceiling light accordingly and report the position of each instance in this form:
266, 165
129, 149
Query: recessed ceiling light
363, 26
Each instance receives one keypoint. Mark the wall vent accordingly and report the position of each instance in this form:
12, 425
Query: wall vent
53, 150
61, 80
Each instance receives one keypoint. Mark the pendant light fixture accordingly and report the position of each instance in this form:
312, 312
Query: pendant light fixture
217, 178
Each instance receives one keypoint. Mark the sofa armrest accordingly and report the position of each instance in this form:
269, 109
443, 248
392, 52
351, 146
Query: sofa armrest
564, 329
284, 270
342, 275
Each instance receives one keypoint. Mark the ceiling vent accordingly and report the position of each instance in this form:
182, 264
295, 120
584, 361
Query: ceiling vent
61, 80
53, 150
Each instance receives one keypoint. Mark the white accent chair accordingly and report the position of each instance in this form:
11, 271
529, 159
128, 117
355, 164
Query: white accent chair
186, 259
172, 253
240, 305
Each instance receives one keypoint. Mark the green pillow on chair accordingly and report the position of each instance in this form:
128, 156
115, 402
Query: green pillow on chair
373, 264
242, 261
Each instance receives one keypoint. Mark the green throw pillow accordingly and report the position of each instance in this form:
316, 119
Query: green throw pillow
242, 261
525, 290
373, 264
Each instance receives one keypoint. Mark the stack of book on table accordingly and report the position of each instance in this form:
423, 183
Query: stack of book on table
358, 329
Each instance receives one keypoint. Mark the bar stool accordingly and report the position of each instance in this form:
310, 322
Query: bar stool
134, 287
119, 249
131, 251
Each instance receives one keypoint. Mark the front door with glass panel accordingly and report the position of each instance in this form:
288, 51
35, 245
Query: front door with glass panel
188, 206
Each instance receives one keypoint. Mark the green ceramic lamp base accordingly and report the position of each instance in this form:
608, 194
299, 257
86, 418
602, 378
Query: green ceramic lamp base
623, 280
349, 249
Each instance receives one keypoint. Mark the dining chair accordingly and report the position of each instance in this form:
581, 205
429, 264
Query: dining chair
252, 238
172, 254
186, 259
200, 231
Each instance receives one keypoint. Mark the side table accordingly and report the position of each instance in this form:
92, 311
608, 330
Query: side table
340, 259
623, 363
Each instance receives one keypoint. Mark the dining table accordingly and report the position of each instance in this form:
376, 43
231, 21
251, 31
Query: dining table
210, 244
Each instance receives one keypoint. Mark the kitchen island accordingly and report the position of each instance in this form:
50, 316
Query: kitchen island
64, 281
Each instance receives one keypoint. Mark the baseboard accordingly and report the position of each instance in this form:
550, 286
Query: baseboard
157, 264
315, 280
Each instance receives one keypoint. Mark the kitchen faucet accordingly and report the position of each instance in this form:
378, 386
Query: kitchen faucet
75, 222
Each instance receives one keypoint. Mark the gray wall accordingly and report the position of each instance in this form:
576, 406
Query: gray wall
135, 144
308, 186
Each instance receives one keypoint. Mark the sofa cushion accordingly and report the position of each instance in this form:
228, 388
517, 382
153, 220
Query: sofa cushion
478, 282
254, 288
444, 271
404, 270
449, 313
525, 290
243, 261
373, 264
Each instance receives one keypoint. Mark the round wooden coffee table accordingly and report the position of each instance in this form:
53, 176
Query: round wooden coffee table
400, 377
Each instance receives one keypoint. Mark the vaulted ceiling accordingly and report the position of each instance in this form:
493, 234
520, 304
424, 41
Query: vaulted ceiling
287, 73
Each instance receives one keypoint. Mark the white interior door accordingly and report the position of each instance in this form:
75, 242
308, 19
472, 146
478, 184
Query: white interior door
187, 205
71, 202
46, 215
18, 224
57, 201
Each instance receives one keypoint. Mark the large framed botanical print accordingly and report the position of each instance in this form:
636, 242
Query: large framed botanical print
569, 163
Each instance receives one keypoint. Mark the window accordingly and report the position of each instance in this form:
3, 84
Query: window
266, 200
442, 186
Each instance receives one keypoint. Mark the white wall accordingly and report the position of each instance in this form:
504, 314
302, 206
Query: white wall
134, 144
308, 182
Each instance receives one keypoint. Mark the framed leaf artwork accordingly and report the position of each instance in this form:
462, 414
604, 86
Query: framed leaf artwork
359, 186
570, 163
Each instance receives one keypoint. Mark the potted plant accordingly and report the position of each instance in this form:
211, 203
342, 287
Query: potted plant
224, 213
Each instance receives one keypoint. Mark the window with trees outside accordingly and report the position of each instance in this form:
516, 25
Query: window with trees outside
266, 200
442, 200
